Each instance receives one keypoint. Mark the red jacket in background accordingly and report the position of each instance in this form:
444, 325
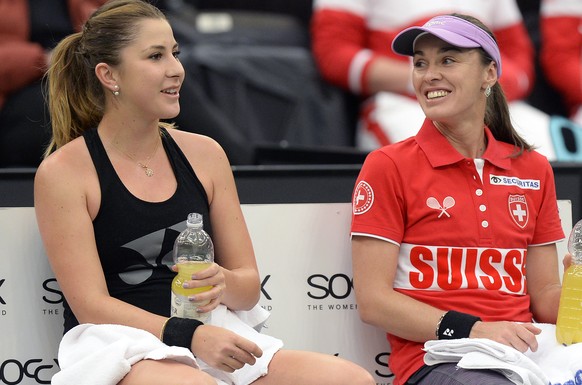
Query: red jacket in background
561, 48
24, 62
348, 34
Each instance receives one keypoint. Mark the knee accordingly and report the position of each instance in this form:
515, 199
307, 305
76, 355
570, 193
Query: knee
354, 374
363, 377
199, 378
166, 372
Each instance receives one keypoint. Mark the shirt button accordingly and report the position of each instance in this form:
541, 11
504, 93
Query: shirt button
479, 192
485, 224
482, 207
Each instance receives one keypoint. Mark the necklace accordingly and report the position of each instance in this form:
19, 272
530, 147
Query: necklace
148, 171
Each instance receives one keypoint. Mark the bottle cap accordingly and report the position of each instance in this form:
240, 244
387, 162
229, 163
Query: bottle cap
194, 220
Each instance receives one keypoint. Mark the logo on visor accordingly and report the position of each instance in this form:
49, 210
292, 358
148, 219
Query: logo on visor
363, 198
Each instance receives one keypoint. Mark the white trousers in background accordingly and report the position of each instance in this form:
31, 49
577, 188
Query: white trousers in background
400, 117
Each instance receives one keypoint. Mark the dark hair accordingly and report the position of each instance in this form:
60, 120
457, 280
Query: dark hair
497, 116
75, 96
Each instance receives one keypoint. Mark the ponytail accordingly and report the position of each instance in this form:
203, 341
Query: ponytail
76, 98
498, 119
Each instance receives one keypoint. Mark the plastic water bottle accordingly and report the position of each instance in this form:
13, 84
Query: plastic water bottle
193, 252
569, 324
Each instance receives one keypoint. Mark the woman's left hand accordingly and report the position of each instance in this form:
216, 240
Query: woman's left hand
214, 277
567, 261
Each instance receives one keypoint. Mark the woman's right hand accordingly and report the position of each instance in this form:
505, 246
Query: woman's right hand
223, 349
567, 261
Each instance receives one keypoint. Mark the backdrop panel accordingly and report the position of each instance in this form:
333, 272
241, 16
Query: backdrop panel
303, 253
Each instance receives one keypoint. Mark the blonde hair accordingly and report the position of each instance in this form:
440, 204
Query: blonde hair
75, 96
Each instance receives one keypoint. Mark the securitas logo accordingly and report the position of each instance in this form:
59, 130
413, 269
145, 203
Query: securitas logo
526, 184
334, 290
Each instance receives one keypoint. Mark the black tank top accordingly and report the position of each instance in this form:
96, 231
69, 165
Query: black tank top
135, 238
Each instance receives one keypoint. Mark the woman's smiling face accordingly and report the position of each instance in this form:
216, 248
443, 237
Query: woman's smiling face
449, 81
150, 74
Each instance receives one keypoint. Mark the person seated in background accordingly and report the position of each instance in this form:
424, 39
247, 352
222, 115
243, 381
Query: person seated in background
561, 51
112, 195
29, 29
443, 221
349, 42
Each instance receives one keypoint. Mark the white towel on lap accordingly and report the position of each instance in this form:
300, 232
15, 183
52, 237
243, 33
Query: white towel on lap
103, 354
551, 364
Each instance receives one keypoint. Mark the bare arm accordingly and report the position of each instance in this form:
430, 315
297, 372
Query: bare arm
235, 274
386, 74
374, 265
238, 278
544, 289
543, 282
339, 39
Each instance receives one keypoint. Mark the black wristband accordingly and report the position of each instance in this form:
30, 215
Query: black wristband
455, 325
179, 331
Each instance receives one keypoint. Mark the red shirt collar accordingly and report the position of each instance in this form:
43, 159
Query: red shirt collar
440, 152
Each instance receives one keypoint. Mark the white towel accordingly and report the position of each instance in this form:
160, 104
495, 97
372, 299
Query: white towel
560, 363
103, 354
551, 364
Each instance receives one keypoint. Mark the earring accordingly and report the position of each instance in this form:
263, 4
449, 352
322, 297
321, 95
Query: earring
116, 90
487, 91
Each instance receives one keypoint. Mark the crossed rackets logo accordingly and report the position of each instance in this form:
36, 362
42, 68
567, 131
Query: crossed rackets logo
448, 202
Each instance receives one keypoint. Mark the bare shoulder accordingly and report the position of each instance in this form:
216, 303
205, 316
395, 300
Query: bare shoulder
209, 162
188, 141
70, 158
200, 150
67, 171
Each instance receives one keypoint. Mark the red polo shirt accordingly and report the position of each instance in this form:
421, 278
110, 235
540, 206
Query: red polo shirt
463, 237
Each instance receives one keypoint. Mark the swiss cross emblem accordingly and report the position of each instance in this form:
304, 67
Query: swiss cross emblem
518, 209
363, 198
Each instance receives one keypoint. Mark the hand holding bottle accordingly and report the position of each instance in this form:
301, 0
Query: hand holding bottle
211, 277
193, 254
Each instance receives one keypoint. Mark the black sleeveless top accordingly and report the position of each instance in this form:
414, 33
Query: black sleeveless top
135, 238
